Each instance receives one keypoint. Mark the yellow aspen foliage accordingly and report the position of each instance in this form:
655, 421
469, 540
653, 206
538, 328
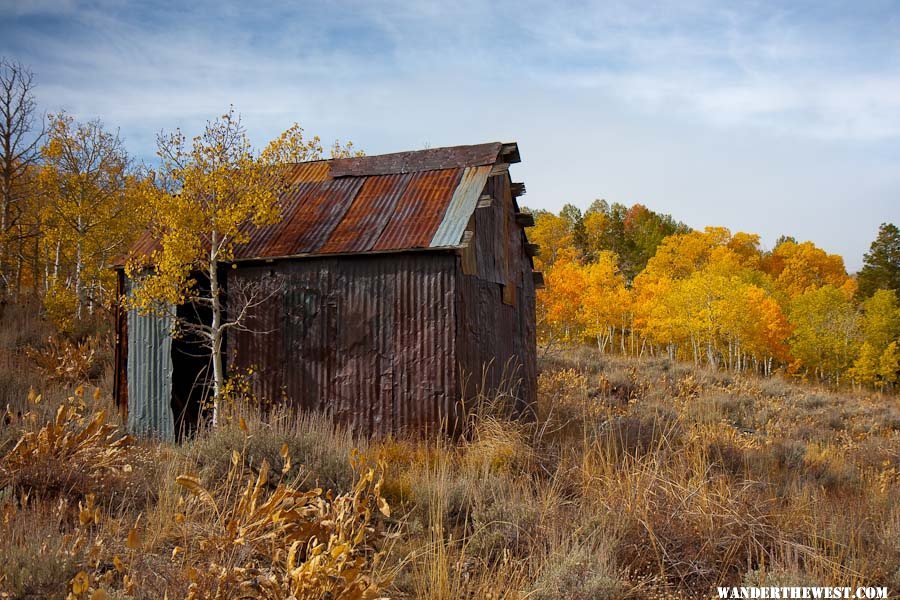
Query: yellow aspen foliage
865, 367
880, 322
797, 268
679, 256
889, 364
553, 234
605, 299
825, 335
711, 296
560, 301
209, 195
91, 194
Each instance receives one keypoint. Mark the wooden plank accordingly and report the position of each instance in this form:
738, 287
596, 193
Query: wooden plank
517, 189
509, 293
468, 257
525, 219
510, 153
538, 278
485, 201
500, 168
532, 250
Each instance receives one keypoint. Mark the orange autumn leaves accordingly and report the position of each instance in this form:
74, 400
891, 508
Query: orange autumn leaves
711, 297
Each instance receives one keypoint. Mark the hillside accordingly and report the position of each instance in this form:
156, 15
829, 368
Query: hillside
640, 478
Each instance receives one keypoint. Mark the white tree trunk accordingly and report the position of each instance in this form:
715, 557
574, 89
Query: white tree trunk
216, 328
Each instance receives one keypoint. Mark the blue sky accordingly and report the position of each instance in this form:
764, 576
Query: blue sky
763, 117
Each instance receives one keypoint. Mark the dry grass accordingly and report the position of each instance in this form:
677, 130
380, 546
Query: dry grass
639, 479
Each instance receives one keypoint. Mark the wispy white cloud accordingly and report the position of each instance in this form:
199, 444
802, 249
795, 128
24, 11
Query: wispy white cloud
680, 105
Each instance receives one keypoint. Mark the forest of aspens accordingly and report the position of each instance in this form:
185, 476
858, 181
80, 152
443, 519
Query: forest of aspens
639, 283
710, 412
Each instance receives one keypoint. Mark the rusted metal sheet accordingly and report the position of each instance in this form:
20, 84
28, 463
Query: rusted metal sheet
462, 204
314, 218
267, 240
419, 210
309, 172
397, 201
368, 339
432, 159
368, 215
143, 247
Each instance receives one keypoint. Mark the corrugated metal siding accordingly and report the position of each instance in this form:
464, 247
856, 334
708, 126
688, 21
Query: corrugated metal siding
309, 172
278, 238
368, 215
319, 213
419, 210
369, 339
398, 201
150, 376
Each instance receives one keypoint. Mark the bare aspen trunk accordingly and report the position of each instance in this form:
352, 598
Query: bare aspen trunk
56, 262
216, 329
4, 218
35, 266
78, 278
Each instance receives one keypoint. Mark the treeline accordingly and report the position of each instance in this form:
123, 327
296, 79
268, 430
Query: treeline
633, 281
69, 203
72, 200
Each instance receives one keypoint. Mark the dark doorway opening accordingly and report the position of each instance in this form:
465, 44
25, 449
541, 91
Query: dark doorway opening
191, 365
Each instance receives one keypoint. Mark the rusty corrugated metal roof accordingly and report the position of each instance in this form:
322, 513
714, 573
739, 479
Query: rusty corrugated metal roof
401, 201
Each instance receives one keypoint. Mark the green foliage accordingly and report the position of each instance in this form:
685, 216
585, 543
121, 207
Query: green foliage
632, 233
881, 264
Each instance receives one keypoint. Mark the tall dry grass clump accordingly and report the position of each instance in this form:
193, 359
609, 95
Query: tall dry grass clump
636, 479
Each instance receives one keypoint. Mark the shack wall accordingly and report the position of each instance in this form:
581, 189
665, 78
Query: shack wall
369, 339
496, 303
149, 376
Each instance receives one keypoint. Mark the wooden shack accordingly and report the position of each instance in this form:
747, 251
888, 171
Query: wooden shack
406, 285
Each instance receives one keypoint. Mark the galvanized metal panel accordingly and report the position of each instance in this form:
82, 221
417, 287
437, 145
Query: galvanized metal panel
462, 204
150, 376
419, 210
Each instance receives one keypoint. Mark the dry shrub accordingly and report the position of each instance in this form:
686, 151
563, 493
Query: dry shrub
320, 449
75, 453
498, 446
270, 540
37, 561
583, 572
444, 566
679, 518
65, 361
564, 404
